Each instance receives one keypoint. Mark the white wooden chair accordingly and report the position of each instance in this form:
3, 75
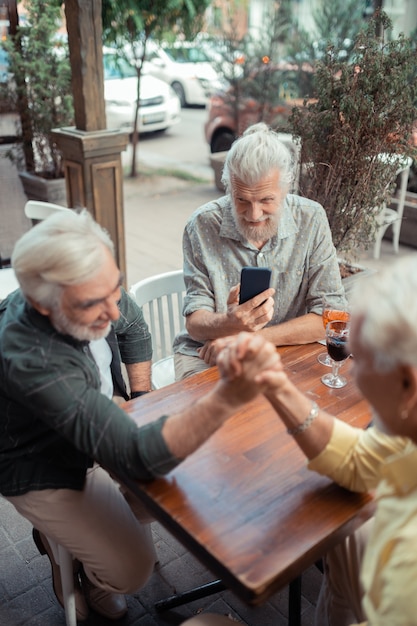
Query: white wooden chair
161, 299
393, 217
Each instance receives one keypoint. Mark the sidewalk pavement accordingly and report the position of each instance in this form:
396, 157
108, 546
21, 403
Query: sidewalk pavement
156, 209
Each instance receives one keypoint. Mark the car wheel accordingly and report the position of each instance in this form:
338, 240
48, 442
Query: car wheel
222, 141
179, 90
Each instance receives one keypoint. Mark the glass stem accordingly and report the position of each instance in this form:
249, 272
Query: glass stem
335, 368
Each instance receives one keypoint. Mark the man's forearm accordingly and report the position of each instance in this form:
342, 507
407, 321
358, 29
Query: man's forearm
300, 330
206, 326
294, 408
139, 375
187, 431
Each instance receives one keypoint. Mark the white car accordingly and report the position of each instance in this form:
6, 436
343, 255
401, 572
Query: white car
159, 108
186, 68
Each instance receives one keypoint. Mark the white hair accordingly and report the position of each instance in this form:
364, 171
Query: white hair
386, 306
255, 154
67, 248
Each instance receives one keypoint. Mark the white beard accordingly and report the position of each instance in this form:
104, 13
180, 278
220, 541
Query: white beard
80, 332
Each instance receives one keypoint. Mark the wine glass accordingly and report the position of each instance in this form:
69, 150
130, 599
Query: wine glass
337, 335
330, 312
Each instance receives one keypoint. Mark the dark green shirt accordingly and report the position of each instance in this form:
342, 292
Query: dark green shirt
54, 421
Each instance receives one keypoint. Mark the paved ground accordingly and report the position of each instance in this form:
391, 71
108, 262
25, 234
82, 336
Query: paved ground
155, 211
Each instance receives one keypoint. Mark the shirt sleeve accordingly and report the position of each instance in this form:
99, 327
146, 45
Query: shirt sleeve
133, 336
199, 290
323, 273
353, 457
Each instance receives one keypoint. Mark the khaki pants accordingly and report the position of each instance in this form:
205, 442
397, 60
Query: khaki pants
341, 593
186, 366
98, 526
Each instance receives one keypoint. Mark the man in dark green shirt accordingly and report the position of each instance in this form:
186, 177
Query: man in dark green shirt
59, 426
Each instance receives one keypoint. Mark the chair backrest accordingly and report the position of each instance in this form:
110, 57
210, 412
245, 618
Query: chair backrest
404, 172
34, 210
161, 299
38, 210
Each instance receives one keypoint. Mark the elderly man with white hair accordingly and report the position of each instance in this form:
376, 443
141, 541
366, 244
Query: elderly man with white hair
258, 224
62, 438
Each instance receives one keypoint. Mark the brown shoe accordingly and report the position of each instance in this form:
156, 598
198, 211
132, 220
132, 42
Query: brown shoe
80, 603
110, 605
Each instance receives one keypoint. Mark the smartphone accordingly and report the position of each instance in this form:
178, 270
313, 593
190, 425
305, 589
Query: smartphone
253, 280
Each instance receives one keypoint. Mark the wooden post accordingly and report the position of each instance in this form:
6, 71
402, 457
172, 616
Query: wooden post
92, 154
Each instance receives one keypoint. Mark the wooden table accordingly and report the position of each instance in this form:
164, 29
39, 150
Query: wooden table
245, 503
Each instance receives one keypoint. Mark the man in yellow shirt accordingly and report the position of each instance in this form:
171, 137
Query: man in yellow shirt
383, 341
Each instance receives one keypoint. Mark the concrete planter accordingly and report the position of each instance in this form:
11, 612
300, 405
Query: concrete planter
354, 273
217, 162
37, 188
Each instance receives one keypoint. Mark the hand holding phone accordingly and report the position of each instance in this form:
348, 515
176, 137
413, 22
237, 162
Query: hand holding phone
253, 280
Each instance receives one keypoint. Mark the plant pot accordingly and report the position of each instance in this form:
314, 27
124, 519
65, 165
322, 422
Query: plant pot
351, 273
217, 162
47, 190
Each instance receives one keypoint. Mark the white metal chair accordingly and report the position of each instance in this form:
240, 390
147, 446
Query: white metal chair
161, 299
393, 217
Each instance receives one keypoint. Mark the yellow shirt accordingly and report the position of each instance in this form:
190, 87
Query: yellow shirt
363, 460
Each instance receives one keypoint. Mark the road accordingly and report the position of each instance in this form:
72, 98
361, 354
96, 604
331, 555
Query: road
181, 147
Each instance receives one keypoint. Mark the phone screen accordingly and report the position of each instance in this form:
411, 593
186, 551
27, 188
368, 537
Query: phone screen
253, 280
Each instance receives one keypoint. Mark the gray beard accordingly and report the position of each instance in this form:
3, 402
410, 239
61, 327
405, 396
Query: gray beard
255, 234
258, 234
82, 333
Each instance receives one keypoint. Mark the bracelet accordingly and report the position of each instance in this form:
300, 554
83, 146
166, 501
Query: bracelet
307, 422
137, 394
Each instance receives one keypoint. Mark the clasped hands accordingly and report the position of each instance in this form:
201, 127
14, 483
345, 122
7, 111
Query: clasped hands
249, 365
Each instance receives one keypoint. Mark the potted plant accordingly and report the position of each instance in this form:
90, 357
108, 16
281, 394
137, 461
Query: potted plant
356, 130
40, 93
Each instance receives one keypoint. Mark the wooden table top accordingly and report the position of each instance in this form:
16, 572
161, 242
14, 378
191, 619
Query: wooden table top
245, 503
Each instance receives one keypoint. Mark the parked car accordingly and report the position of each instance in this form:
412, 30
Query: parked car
4, 66
186, 68
268, 95
159, 107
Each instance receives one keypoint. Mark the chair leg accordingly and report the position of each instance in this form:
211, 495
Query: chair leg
294, 602
64, 560
377, 245
396, 227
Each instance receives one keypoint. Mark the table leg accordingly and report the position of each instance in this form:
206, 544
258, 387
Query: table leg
294, 598
188, 596
294, 602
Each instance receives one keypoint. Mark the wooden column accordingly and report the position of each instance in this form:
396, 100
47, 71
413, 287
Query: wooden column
94, 178
92, 154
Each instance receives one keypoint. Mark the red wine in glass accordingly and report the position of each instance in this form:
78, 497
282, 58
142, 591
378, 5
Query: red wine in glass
337, 335
337, 348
